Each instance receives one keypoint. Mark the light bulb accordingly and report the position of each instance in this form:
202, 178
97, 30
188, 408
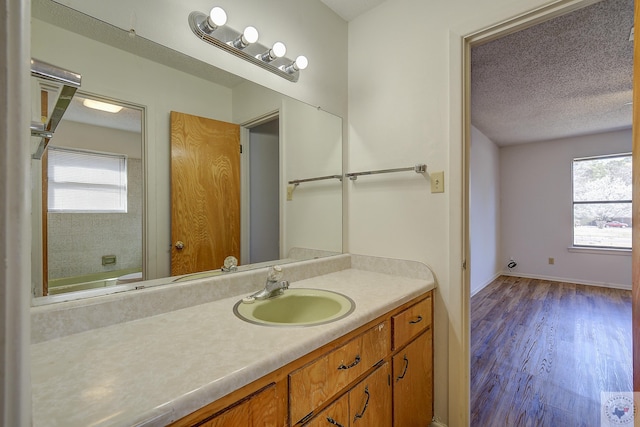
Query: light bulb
217, 17
302, 62
279, 49
250, 34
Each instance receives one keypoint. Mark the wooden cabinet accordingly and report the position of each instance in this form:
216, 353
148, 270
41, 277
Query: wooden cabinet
257, 409
366, 404
379, 375
319, 381
413, 365
411, 321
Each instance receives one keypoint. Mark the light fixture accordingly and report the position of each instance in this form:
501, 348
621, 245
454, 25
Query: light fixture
245, 44
248, 36
102, 106
300, 63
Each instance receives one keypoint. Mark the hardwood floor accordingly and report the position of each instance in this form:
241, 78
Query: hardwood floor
542, 351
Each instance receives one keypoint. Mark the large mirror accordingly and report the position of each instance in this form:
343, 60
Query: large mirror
282, 140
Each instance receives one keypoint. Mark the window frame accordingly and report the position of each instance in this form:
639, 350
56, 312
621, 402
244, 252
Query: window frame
595, 248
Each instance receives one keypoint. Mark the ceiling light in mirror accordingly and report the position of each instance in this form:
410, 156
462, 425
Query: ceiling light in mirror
102, 106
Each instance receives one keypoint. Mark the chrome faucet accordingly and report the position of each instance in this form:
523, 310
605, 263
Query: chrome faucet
274, 286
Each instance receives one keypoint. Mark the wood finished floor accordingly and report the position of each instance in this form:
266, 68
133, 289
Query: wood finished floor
542, 351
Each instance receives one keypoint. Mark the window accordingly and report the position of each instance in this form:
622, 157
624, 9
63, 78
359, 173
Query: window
84, 181
602, 202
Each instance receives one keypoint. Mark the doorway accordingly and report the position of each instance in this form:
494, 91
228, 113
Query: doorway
264, 200
260, 187
487, 35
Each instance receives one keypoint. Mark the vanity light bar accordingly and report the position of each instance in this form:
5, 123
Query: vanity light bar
212, 29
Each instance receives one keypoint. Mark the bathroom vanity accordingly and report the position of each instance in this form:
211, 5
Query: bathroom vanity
380, 374
202, 365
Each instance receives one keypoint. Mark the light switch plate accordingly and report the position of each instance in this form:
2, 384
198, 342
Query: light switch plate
437, 182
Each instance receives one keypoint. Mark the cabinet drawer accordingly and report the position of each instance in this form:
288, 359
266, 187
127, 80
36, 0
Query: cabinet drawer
411, 322
317, 382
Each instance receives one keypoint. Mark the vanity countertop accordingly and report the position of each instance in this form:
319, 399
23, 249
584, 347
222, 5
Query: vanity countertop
155, 370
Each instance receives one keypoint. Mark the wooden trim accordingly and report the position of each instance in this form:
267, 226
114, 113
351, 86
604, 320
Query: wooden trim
279, 377
635, 290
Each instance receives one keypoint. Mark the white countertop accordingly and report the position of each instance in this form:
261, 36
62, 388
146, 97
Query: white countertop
155, 370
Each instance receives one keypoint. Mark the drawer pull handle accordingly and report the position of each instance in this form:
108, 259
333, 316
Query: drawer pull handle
334, 422
355, 362
404, 372
366, 403
418, 320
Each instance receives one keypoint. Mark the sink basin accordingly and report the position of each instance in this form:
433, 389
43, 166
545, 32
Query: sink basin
296, 307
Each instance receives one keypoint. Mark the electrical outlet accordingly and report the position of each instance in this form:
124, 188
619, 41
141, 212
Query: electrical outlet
552, 261
437, 182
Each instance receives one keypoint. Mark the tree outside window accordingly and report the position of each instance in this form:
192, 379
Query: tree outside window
602, 202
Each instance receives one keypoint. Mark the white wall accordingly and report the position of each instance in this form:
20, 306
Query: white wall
537, 211
484, 210
312, 148
405, 106
306, 27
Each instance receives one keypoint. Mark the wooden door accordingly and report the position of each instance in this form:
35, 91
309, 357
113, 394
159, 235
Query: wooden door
205, 193
413, 384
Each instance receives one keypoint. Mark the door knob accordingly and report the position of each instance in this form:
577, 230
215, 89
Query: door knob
179, 244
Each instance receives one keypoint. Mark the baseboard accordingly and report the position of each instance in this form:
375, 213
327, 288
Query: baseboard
435, 423
487, 283
568, 280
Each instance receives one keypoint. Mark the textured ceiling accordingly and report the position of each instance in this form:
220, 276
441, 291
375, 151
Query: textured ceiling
568, 76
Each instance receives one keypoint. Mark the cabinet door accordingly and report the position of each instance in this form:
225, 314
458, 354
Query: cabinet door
318, 382
259, 409
336, 415
370, 400
413, 383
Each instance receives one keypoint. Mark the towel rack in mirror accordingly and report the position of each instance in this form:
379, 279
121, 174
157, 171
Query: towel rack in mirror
70, 82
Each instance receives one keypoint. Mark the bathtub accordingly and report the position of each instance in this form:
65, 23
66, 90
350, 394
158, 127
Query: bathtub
94, 281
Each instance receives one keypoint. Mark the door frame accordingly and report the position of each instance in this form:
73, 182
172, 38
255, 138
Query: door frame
491, 33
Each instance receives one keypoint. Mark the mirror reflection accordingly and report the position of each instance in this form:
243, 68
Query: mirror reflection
281, 140
92, 193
